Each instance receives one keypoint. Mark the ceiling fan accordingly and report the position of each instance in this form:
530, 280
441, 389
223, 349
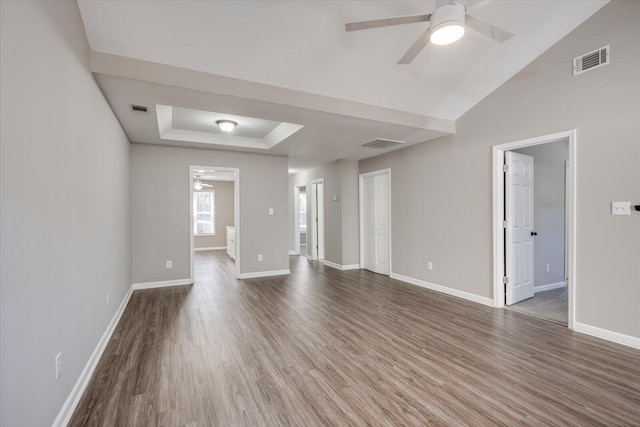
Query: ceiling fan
198, 184
447, 24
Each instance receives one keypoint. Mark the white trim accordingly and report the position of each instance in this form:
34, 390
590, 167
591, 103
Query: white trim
548, 287
293, 252
236, 217
257, 274
361, 178
162, 284
608, 335
443, 289
211, 248
318, 254
498, 214
341, 267
69, 406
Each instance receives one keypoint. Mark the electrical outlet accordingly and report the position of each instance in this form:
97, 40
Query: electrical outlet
108, 299
169, 264
58, 365
270, 211
548, 268
260, 257
429, 265
620, 208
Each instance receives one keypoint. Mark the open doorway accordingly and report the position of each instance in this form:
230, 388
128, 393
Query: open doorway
534, 202
316, 204
214, 219
300, 229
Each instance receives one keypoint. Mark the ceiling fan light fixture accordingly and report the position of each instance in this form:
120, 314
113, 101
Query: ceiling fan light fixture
447, 23
226, 125
197, 185
447, 33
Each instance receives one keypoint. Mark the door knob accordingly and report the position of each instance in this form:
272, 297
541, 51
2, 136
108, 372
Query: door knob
533, 233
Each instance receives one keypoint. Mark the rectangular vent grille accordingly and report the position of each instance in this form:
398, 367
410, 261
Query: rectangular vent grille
139, 108
380, 144
591, 60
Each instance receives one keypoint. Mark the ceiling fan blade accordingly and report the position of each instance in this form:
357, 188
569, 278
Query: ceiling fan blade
417, 47
476, 4
487, 29
385, 22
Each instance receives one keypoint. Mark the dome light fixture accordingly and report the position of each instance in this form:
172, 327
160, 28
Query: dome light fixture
447, 23
226, 126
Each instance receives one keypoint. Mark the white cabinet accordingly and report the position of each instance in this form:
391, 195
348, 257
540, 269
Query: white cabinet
231, 242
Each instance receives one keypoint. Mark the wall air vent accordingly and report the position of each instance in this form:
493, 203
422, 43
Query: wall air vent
381, 144
139, 108
591, 60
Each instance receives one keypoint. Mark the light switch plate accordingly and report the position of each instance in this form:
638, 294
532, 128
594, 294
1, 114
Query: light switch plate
620, 208
270, 211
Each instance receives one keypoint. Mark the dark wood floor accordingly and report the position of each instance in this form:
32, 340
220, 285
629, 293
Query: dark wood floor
325, 347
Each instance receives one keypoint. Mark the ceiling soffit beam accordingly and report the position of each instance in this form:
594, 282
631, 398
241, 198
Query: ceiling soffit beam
135, 69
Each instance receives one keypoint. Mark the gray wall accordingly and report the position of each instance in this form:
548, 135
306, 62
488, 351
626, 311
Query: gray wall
548, 212
65, 209
224, 210
441, 190
341, 216
160, 210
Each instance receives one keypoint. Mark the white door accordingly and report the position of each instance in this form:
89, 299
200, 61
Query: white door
376, 223
519, 228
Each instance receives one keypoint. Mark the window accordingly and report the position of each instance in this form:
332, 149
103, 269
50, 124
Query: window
204, 212
302, 220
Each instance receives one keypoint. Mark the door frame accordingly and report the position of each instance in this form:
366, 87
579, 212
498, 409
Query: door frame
236, 214
361, 179
498, 214
315, 254
296, 213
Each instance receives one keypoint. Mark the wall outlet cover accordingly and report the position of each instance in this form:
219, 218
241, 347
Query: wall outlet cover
620, 208
58, 365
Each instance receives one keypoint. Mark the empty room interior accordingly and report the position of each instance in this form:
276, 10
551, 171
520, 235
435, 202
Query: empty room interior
278, 213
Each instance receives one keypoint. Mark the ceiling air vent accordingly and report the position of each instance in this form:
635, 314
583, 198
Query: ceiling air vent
139, 108
591, 60
381, 144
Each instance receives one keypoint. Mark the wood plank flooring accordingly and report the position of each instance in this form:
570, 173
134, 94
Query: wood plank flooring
326, 347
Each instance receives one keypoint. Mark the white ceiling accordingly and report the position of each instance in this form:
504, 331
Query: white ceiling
302, 46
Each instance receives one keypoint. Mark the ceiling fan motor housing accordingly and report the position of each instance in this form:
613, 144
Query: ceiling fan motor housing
447, 14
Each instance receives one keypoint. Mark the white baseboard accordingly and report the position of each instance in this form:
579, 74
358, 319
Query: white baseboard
163, 284
257, 274
445, 290
606, 334
341, 267
211, 248
64, 416
548, 287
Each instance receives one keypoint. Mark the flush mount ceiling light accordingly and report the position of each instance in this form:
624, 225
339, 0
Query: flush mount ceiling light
226, 125
447, 23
